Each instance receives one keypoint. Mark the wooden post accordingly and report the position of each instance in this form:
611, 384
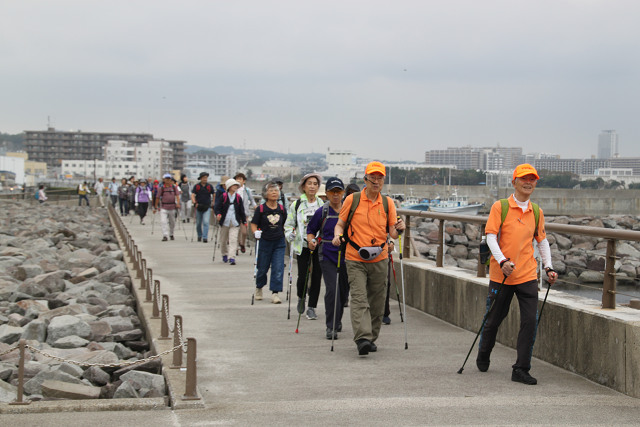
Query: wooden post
609, 284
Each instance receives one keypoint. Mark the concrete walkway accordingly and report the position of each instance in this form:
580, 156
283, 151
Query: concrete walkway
253, 368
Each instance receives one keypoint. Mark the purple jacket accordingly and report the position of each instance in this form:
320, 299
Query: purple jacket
143, 194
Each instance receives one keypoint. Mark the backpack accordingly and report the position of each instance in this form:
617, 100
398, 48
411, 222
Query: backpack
354, 206
37, 195
296, 205
262, 207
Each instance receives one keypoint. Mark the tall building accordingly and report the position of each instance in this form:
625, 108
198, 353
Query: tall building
608, 144
210, 162
485, 158
52, 146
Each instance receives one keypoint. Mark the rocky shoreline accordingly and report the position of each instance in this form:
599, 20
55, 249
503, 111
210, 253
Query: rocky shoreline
576, 258
65, 289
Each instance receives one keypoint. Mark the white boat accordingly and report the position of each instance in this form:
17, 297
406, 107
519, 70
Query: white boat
456, 204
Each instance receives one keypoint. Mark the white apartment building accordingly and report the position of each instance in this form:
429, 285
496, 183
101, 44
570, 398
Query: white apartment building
211, 162
122, 160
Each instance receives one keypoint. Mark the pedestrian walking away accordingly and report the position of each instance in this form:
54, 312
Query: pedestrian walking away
230, 215
112, 189
512, 226
83, 191
168, 200
295, 229
367, 220
201, 199
99, 188
131, 194
249, 205
142, 199
319, 237
123, 197
267, 227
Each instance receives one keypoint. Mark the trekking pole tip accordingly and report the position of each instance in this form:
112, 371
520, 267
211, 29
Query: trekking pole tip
296, 330
460, 370
406, 346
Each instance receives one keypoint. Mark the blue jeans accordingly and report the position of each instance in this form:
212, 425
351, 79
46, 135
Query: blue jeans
271, 254
202, 223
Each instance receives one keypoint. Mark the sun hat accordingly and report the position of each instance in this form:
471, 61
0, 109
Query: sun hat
230, 183
306, 177
166, 175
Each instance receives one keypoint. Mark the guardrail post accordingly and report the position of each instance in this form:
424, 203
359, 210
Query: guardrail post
143, 271
177, 353
164, 322
19, 397
149, 282
406, 242
440, 254
609, 284
155, 314
191, 392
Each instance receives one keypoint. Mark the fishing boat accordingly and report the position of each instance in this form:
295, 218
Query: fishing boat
415, 203
455, 204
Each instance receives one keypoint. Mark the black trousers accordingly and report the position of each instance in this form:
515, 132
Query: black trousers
329, 272
527, 295
313, 287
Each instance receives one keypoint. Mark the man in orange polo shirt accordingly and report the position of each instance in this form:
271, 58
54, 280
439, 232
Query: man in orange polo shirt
512, 260
366, 255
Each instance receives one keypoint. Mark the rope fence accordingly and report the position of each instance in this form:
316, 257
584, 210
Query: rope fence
160, 311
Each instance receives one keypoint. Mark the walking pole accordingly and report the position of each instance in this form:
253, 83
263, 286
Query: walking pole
335, 302
184, 230
304, 291
255, 270
153, 220
543, 303
483, 322
404, 300
393, 268
193, 229
215, 244
290, 266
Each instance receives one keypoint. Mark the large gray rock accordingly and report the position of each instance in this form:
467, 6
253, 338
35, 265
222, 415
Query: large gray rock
120, 350
52, 282
145, 380
590, 276
96, 376
27, 271
71, 341
8, 392
126, 391
63, 390
73, 370
34, 385
10, 334
118, 324
66, 325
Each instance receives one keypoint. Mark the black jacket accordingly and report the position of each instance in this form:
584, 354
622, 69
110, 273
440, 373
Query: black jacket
223, 207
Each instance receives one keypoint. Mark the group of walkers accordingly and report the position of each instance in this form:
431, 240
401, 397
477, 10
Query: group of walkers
344, 238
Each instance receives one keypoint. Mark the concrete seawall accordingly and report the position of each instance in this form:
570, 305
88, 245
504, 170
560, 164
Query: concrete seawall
574, 333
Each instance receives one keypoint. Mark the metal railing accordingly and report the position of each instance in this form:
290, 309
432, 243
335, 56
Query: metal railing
612, 236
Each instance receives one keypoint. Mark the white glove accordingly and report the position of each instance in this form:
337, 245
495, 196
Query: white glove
291, 236
136, 204
257, 234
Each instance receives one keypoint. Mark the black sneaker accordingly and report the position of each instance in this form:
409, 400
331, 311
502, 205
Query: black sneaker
204, 240
242, 249
339, 327
386, 320
199, 239
329, 333
373, 348
482, 361
300, 305
164, 239
519, 375
171, 237
364, 346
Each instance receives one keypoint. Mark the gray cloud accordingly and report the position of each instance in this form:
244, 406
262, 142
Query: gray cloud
391, 79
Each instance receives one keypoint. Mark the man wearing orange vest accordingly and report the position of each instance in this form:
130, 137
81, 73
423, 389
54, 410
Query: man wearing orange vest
513, 262
366, 255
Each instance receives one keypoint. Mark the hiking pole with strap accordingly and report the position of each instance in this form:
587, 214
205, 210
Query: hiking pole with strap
404, 300
255, 271
543, 303
483, 322
304, 291
290, 279
193, 230
335, 302
395, 280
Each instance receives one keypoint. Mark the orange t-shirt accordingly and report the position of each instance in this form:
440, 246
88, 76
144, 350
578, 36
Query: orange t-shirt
368, 225
516, 241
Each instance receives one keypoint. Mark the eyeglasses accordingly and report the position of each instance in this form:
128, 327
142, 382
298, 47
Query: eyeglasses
374, 178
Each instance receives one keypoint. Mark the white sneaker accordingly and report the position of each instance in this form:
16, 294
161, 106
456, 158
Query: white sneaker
275, 299
258, 294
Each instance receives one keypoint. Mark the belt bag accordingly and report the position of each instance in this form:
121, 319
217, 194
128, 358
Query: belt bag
202, 207
368, 253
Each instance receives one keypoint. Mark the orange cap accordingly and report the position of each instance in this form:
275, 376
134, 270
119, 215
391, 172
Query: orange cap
525, 169
374, 167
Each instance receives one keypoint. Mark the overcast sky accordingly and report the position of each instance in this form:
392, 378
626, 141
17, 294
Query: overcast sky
386, 79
